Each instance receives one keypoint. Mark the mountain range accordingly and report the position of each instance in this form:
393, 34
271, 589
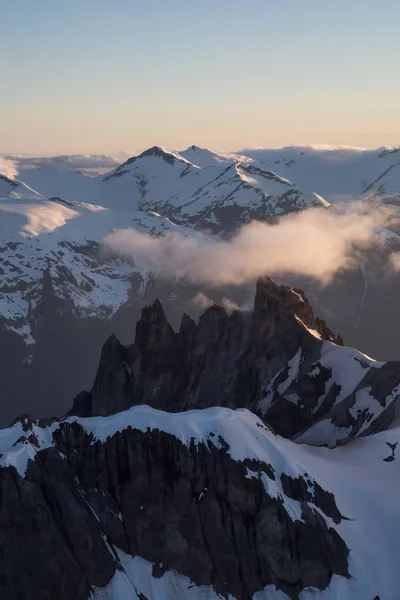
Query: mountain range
62, 294
249, 456
170, 437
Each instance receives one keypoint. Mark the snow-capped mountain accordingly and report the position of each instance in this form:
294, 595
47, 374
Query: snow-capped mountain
222, 195
60, 295
209, 502
11, 188
54, 222
338, 174
56, 282
153, 505
202, 157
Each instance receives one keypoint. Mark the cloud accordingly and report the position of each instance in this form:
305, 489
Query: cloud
314, 243
90, 163
8, 168
394, 261
229, 305
311, 148
202, 301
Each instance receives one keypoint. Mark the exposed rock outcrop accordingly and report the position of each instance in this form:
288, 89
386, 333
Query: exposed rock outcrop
212, 495
280, 361
190, 508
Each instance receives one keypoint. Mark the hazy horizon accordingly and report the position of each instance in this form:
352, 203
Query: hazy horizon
120, 155
92, 77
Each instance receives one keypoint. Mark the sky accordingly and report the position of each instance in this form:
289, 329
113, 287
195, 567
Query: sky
89, 76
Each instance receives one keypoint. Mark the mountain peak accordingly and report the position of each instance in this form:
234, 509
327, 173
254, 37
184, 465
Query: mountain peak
7, 180
154, 151
169, 157
283, 364
281, 301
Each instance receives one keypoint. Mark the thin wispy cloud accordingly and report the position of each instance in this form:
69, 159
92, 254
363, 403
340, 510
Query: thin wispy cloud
94, 163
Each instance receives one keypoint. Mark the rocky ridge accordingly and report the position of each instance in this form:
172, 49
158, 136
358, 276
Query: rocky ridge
279, 361
195, 493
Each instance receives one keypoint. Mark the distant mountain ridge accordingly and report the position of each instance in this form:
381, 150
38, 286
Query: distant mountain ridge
53, 220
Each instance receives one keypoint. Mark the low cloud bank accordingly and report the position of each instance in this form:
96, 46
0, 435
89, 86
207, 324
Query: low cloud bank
314, 243
93, 163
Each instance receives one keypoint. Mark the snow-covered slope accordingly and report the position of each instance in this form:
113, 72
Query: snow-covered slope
202, 157
61, 225
12, 188
64, 238
351, 495
53, 181
371, 528
346, 384
169, 183
338, 174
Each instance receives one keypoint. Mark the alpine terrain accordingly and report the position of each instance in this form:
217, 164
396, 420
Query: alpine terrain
63, 291
247, 456
199, 344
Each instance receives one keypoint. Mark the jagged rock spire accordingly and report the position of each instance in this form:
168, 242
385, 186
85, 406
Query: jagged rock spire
280, 302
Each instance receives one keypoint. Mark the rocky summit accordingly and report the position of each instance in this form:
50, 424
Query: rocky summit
232, 459
279, 361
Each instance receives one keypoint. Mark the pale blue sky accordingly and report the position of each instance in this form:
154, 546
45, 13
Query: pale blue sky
103, 76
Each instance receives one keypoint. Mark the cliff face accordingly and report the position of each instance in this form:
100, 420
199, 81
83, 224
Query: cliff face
187, 506
212, 496
280, 361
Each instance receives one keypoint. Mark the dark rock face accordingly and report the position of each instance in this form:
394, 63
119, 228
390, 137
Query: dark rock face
43, 378
50, 545
214, 363
241, 361
191, 509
